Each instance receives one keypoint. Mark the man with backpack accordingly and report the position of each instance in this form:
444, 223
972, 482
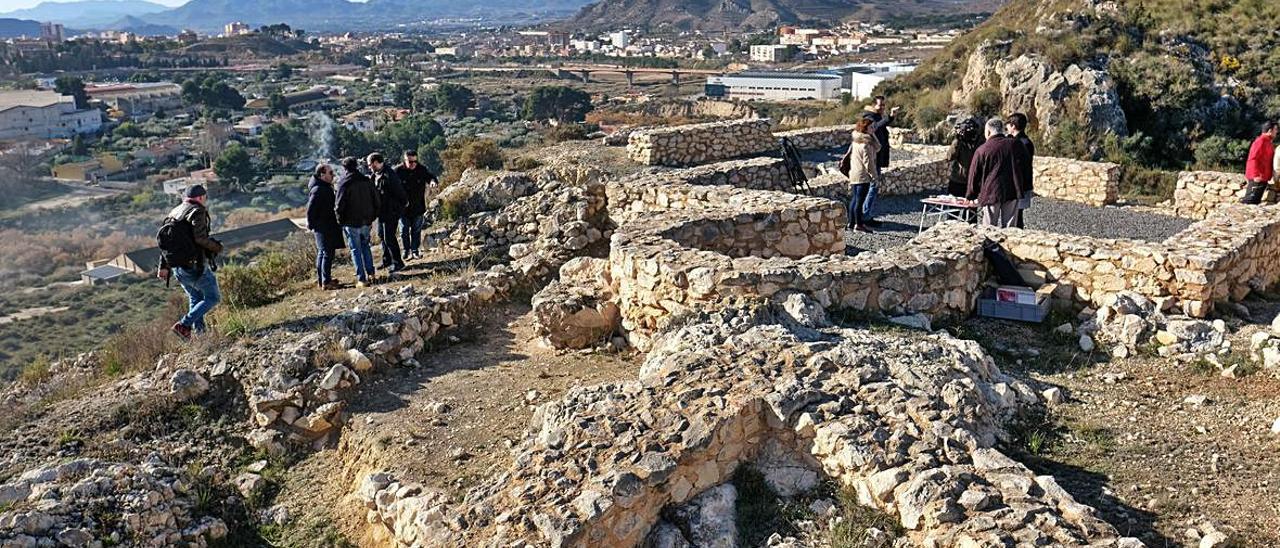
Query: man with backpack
187, 252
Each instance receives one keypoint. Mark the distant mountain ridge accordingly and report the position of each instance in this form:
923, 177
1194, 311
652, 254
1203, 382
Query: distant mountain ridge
15, 28
740, 15
87, 13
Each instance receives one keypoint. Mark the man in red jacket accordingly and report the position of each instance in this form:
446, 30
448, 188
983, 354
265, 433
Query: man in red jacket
1258, 171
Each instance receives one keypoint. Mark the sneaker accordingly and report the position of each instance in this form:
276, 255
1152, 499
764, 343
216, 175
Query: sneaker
863, 228
396, 268
182, 331
331, 285
361, 284
872, 223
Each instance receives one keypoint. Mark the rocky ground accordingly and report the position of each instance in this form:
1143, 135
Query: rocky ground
447, 424
1168, 451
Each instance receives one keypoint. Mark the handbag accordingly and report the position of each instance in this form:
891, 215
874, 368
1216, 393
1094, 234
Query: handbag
846, 162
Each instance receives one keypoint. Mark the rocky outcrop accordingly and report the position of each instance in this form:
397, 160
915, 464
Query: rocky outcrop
577, 310
1050, 97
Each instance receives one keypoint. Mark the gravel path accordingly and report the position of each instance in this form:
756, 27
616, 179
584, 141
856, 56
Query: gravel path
901, 218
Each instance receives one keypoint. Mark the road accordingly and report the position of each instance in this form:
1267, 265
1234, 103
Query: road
76, 195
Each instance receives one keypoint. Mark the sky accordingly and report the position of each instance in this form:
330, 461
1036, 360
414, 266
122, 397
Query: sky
10, 5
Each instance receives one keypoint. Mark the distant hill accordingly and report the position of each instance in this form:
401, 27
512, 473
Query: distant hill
140, 27
87, 13
719, 15
212, 15
14, 28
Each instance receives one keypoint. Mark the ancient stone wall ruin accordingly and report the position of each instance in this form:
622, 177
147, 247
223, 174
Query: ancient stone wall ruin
702, 143
1221, 258
826, 137
1198, 193
1092, 183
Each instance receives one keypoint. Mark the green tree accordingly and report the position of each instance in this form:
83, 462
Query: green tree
235, 168
403, 94
278, 105
454, 98
282, 143
562, 103
73, 86
283, 71
128, 129
78, 147
410, 133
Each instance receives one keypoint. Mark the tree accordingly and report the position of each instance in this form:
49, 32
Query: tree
403, 94
561, 103
235, 168
277, 104
454, 98
410, 133
128, 129
78, 147
210, 141
482, 154
283, 143
283, 71
70, 85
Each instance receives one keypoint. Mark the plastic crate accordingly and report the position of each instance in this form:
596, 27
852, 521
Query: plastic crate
990, 308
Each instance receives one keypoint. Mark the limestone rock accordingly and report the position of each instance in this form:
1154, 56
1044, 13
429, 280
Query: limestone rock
186, 384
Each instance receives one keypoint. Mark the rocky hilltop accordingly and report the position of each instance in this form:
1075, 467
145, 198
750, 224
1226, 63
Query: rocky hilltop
1170, 80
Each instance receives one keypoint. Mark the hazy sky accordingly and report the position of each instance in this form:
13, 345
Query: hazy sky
10, 5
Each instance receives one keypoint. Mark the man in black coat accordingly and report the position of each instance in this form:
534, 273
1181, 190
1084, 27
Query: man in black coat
322, 219
356, 207
418, 182
995, 181
1016, 127
393, 200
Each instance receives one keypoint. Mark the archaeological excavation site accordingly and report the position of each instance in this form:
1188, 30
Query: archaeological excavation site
674, 340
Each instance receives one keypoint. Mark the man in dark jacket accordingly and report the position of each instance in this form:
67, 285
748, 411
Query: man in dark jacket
323, 222
418, 182
1016, 127
196, 275
994, 179
966, 140
356, 207
879, 128
393, 200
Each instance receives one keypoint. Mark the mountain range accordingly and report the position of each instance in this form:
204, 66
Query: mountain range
87, 13
720, 15
711, 15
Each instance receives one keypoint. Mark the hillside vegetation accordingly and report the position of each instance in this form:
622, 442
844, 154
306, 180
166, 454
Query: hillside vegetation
1194, 78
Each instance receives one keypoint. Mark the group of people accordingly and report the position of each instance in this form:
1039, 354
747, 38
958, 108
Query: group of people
343, 215
994, 169
339, 216
865, 161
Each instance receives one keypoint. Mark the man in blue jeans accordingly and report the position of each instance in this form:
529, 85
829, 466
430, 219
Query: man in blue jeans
418, 182
187, 253
356, 207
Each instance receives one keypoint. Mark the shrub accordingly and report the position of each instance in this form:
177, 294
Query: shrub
523, 163
1218, 152
567, 132
1147, 184
244, 286
258, 283
36, 371
453, 208
137, 347
986, 102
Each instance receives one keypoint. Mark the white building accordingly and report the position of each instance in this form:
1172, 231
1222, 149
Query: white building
33, 114
236, 28
620, 39
770, 53
860, 80
774, 86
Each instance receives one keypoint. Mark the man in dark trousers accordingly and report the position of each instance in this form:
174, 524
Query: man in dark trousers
323, 222
879, 128
418, 182
994, 179
356, 208
393, 200
195, 270
1258, 170
1016, 127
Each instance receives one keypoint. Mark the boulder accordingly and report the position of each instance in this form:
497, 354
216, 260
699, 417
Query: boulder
186, 384
708, 519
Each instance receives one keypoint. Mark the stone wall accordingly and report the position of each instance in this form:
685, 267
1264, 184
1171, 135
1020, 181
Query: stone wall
1198, 193
1234, 251
702, 143
819, 137
908, 422
1092, 183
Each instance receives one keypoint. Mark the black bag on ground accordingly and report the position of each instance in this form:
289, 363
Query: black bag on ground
1005, 270
177, 242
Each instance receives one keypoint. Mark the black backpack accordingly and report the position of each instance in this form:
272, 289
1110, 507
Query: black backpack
177, 242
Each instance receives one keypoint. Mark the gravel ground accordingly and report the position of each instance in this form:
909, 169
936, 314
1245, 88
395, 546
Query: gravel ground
900, 216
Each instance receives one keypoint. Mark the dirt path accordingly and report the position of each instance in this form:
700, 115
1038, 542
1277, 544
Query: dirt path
76, 195
1156, 446
447, 424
